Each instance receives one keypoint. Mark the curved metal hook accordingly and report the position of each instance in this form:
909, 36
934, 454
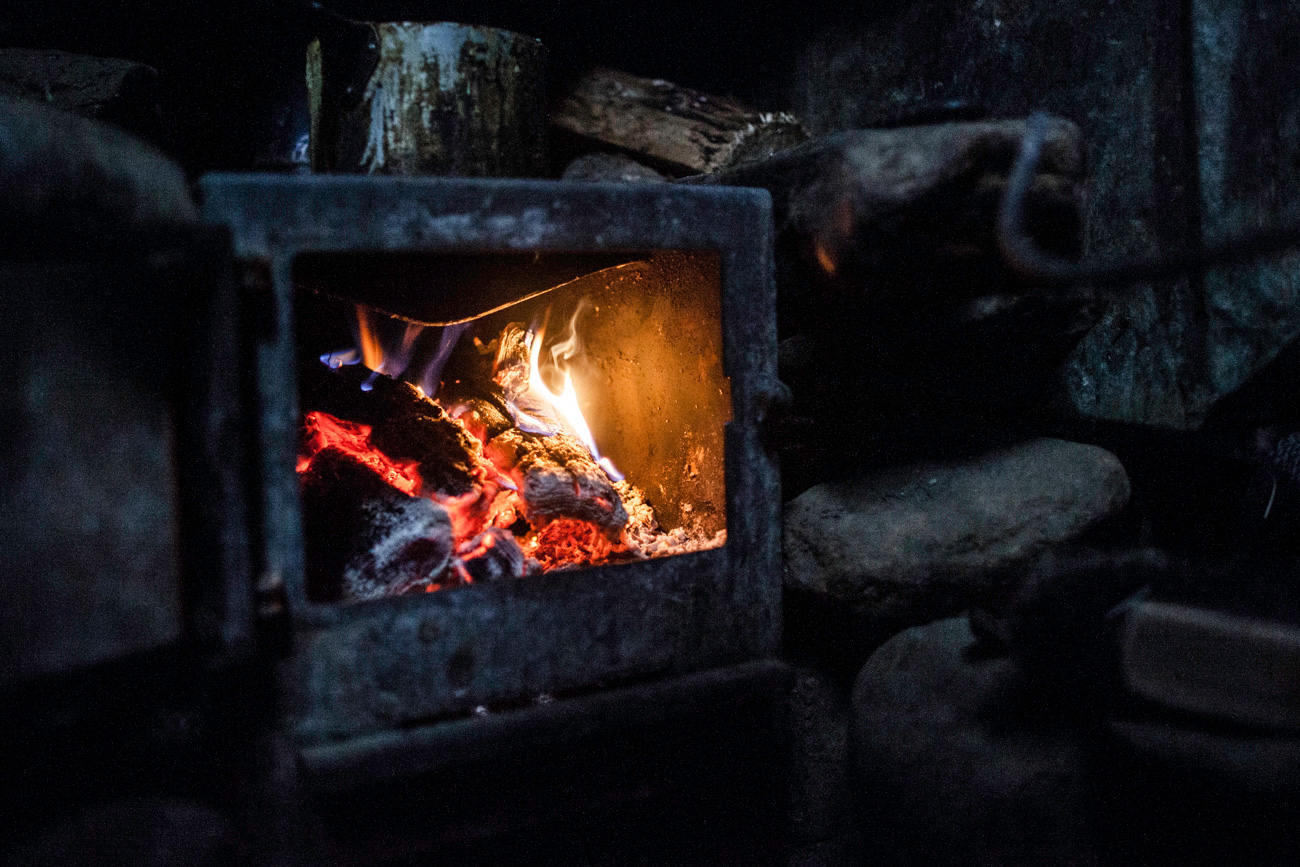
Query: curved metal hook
1023, 256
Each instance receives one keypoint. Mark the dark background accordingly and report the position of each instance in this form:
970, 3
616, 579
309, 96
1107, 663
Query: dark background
218, 60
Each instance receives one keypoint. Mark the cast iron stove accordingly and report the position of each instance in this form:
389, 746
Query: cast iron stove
476, 246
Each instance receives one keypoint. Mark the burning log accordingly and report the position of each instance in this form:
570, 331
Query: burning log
554, 472
678, 129
557, 478
365, 539
405, 424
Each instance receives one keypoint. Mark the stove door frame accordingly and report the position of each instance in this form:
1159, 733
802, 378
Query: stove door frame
370, 667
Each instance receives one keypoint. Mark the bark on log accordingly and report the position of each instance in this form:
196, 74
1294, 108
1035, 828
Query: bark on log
432, 99
364, 539
680, 130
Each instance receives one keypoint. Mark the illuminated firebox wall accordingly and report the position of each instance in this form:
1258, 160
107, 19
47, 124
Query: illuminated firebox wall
641, 343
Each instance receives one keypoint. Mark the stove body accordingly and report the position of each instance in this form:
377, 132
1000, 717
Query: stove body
361, 670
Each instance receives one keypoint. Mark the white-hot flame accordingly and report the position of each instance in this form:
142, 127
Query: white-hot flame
563, 405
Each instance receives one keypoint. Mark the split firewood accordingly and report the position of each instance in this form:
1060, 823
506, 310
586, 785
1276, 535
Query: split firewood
680, 130
364, 539
405, 424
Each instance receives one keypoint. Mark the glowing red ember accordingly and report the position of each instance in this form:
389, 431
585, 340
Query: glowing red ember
322, 430
570, 542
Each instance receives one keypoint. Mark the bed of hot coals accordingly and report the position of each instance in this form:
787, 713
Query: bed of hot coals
498, 477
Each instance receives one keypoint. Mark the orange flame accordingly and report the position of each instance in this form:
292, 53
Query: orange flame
563, 404
372, 351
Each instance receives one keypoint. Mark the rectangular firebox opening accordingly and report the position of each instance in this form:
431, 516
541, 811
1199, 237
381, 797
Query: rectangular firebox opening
471, 418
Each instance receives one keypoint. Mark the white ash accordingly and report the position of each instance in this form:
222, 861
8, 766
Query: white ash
646, 539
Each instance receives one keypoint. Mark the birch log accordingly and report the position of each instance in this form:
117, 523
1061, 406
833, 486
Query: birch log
428, 99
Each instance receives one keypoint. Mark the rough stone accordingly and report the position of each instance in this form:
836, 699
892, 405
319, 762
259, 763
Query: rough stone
909, 544
610, 167
121, 92
888, 273
855, 208
1249, 145
60, 169
958, 763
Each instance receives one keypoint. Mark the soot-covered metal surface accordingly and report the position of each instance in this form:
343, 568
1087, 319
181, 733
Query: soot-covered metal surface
375, 666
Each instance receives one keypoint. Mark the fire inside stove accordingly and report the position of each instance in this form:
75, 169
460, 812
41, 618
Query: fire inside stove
583, 426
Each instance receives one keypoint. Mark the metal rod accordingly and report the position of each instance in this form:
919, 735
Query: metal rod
1023, 256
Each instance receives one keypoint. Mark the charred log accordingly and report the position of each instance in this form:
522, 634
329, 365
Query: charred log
680, 130
557, 478
494, 555
405, 424
367, 540
446, 453
554, 472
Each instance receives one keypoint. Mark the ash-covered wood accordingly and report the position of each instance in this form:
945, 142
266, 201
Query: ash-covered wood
495, 555
554, 472
678, 129
405, 424
364, 539
557, 478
